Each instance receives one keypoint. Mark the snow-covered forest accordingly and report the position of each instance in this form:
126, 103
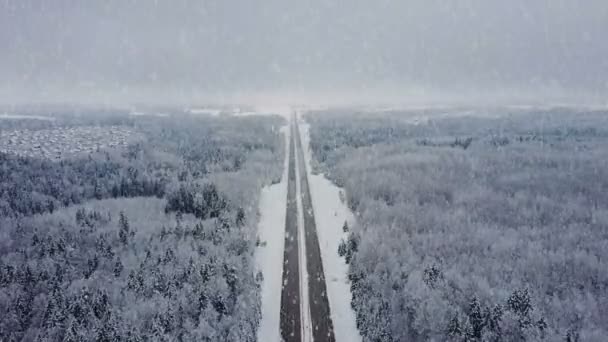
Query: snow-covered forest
304, 171
149, 241
490, 225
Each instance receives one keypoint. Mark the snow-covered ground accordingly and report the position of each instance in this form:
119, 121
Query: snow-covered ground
139, 113
7, 116
270, 109
247, 113
205, 111
330, 215
269, 255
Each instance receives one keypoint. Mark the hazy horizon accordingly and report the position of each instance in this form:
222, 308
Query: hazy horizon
318, 52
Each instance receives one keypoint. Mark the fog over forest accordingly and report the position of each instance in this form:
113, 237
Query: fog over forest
316, 51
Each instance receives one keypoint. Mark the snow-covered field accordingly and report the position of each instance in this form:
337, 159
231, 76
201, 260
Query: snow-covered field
138, 113
7, 116
269, 255
330, 215
205, 111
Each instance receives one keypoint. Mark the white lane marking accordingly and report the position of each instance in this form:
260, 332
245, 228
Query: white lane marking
304, 303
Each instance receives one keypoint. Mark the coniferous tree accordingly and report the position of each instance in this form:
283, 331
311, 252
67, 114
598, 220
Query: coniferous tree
240, 217
476, 319
118, 268
454, 330
123, 229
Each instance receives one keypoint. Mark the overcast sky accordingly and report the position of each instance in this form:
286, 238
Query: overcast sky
73, 49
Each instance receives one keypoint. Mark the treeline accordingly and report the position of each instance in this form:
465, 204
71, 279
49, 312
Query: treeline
146, 243
46, 117
217, 144
31, 186
473, 228
182, 148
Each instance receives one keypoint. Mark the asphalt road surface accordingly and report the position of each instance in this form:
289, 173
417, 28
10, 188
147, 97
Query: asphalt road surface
290, 296
291, 325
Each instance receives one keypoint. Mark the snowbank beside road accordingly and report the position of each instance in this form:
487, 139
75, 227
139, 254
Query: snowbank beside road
330, 215
269, 255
